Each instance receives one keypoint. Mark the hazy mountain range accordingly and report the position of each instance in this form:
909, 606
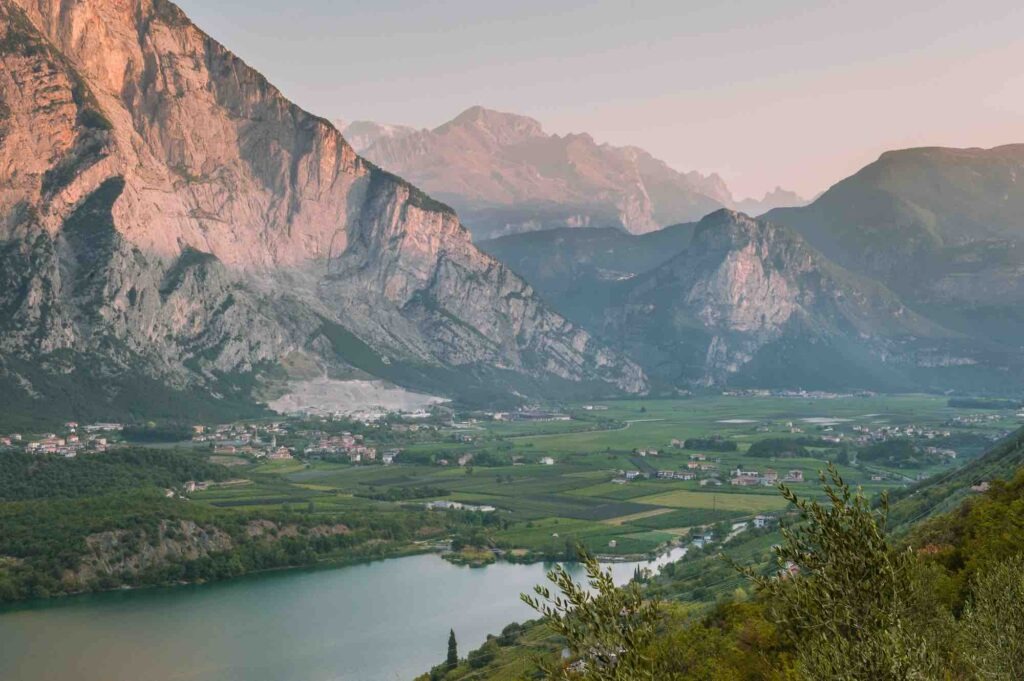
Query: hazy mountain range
176, 237
504, 175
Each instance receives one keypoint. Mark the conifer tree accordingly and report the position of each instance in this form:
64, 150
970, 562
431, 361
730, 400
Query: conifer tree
453, 651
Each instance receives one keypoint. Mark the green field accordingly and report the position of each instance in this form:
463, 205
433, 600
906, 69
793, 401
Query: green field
742, 503
577, 495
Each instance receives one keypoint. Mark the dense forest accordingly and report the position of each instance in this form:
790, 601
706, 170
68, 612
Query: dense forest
33, 476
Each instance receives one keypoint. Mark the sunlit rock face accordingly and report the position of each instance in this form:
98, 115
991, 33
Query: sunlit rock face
506, 175
749, 300
163, 209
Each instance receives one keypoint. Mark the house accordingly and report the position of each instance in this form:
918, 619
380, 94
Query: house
465, 459
389, 457
632, 475
794, 476
669, 475
762, 520
547, 461
698, 457
676, 442
712, 482
770, 477
703, 540
280, 454
612, 544
745, 481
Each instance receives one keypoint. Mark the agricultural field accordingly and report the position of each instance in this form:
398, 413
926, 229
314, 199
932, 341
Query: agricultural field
584, 497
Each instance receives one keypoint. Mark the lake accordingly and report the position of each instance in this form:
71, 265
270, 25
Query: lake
378, 621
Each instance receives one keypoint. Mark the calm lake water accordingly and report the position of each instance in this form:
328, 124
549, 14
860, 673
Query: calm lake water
380, 621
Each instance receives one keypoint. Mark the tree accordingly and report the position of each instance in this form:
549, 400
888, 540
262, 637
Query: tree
993, 622
452, 660
850, 603
484, 655
607, 627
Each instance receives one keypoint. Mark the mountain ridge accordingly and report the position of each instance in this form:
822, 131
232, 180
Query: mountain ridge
162, 144
505, 174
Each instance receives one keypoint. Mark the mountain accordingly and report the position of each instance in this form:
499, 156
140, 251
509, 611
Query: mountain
777, 198
942, 227
576, 269
176, 235
505, 175
362, 134
750, 302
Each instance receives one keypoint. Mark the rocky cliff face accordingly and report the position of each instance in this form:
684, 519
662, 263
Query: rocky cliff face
505, 175
751, 302
165, 212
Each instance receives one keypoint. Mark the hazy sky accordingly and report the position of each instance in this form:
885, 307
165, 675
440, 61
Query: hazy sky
767, 92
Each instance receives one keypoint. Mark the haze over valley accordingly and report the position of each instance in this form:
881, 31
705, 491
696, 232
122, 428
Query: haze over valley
398, 377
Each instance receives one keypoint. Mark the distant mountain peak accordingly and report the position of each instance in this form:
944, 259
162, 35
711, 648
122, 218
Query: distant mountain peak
362, 134
505, 128
504, 174
776, 198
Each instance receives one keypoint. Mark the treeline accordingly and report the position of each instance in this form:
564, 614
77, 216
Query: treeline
983, 403
784, 448
714, 443
48, 545
403, 493
34, 476
162, 432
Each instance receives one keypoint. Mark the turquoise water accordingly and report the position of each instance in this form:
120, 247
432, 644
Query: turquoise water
379, 621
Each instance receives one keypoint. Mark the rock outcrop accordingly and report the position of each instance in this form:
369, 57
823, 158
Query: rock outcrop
167, 216
750, 302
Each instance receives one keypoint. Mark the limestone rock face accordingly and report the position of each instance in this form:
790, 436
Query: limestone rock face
751, 298
163, 209
505, 175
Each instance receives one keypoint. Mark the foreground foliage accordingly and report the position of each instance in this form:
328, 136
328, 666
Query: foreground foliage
843, 601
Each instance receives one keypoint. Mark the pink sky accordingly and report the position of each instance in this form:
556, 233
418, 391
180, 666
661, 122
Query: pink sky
789, 92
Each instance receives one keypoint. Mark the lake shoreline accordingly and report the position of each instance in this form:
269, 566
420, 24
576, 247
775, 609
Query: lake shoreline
408, 550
